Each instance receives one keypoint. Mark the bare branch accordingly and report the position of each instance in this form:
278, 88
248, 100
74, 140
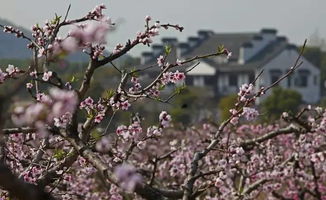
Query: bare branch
248, 144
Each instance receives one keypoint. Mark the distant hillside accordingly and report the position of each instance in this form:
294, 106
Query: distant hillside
12, 47
16, 48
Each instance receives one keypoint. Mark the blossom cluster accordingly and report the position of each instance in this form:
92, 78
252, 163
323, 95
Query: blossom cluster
127, 177
56, 107
136, 86
10, 29
121, 103
94, 109
10, 72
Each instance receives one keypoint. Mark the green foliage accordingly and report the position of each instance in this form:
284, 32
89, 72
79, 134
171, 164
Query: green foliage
323, 102
192, 104
167, 49
220, 49
183, 106
281, 100
225, 104
59, 154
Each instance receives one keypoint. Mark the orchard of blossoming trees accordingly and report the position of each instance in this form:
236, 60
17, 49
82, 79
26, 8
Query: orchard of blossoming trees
48, 151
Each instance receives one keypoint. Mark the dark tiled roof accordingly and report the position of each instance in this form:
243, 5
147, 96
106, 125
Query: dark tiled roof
269, 52
232, 41
259, 60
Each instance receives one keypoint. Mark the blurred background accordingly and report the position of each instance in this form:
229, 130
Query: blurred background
291, 22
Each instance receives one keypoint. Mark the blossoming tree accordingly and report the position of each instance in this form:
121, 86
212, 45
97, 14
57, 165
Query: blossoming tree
48, 151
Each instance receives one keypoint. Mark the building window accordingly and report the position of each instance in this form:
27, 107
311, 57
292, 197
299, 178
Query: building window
199, 81
301, 79
275, 75
289, 81
233, 80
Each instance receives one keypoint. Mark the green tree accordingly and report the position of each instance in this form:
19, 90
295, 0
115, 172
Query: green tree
183, 106
281, 100
193, 104
225, 104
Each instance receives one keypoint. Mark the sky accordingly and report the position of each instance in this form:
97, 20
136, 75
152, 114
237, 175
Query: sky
295, 19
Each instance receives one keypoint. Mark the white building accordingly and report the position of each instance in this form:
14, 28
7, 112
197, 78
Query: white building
251, 52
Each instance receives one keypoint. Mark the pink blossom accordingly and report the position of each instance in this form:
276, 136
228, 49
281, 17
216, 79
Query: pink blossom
123, 131
125, 105
103, 145
165, 119
127, 177
154, 131
11, 70
179, 62
64, 101
63, 121
178, 77
29, 85
91, 33
234, 120
41, 52
160, 61
250, 113
43, 98
246, 89
117, 48
47, 75
88, 102
70, 44
2, 76
99, 117
96, 13
148, 18
33, 74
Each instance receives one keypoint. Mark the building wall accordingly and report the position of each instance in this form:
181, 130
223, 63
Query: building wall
229, 83
282, 63
203, 69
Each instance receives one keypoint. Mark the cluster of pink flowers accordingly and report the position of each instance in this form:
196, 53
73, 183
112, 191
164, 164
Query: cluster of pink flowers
104, 144
245, 91
82, 37
160, 61
90, 33
47, 75
136, 86
250, 113
97, 12
117, 48
146, 37
49, 108
173, 77
10, 72
154, 131
10, 29
122, 103
63, 120
133, 131
165, 119
94, 109
32, 175
127, 177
